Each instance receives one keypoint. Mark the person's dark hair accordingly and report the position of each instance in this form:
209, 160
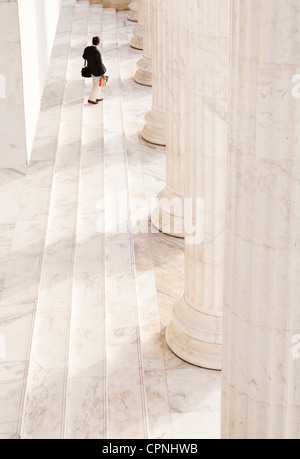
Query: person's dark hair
96, 41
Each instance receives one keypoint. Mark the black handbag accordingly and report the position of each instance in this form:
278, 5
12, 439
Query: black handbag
85, 73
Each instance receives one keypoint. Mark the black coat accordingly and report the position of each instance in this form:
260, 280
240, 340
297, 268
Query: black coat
94, 61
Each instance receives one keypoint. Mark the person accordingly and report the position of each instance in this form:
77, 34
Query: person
97, 69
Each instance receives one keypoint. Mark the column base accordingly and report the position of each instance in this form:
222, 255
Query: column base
132, 16
155, 129
143, 75
195, 337
168, 215
137, 41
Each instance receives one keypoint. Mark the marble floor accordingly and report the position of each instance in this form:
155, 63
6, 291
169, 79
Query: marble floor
84, 306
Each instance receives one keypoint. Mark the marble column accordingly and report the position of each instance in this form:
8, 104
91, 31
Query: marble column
168, 215
138, 37
195, 330
144, 73
154, 130
133, 13
261, 369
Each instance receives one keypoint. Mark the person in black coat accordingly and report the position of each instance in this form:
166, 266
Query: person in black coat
97, 69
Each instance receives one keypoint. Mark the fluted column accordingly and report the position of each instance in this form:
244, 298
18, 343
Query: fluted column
144, 73
133, 13
260, 386
195, 329
168, 216
137, 39
154, 130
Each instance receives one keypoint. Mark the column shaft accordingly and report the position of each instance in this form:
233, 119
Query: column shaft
168, 216
154, 130
144, 73
195, 330
260, 384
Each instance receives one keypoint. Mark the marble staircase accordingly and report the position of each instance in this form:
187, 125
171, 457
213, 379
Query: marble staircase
84, 305
22, 278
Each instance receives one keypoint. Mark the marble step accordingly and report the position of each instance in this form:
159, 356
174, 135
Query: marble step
126, 415
44, 414
86, 384
21, 282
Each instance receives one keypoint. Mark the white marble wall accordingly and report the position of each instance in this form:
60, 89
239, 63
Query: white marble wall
195, 330
154, 130
38, 22
144, 73
12, 127
27, 33
261, 369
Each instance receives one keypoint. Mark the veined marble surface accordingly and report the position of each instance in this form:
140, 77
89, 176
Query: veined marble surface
11, 187
90, 308
260, 382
